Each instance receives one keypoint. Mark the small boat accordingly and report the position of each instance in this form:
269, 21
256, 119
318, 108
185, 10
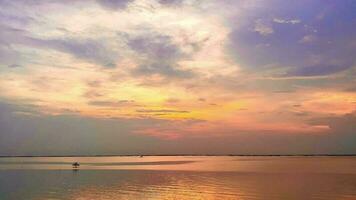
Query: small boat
76, 164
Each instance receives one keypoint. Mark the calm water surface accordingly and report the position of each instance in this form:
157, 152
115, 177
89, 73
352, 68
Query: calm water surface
178, 177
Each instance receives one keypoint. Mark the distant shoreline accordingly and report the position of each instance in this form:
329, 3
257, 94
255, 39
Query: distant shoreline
248, 155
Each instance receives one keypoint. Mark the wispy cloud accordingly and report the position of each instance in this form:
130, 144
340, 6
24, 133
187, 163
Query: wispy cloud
262, 27
112, 103
286, 21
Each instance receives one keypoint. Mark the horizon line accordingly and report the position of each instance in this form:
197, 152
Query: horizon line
133, 155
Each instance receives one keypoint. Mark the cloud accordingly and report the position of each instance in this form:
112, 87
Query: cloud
112, 103
308, 39
114, 4
14, 66
87, 49
262, 27
171, 2
283, 91
161, 111
285, 21
92, 50
160, 56
15, 19
8, 37
156, 47
162, 69
79, 135
94, 83
92, 94
317, 70
351, 89
245, 58
172, 100
329, 38
344, 124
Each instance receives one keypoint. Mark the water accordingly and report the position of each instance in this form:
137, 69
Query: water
178, 177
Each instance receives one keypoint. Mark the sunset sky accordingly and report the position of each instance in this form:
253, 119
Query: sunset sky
177, 76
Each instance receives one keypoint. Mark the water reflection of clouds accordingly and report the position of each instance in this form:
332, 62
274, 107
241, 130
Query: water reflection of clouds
145, 184
183, 177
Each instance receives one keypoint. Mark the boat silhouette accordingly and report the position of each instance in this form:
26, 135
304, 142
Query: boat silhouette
76, 165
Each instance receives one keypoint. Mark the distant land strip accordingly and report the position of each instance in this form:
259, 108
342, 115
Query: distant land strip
142, 155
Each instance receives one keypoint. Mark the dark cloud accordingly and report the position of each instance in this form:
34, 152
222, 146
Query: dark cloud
94, 83
340, 125
161, 111
156, 46
85, 49
161, 57
112, 103
18, 19
92, 94
114, 4
317, 70
14, 66
8, 35
90, 50
11, 34
342, 135
110, 65
351, 89
283, 91
165, 70
69, 134
67, 111
171, 2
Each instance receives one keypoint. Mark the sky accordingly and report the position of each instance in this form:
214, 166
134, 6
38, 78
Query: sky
177, 77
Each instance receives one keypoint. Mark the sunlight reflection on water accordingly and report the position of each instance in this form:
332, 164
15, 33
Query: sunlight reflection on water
110, 178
